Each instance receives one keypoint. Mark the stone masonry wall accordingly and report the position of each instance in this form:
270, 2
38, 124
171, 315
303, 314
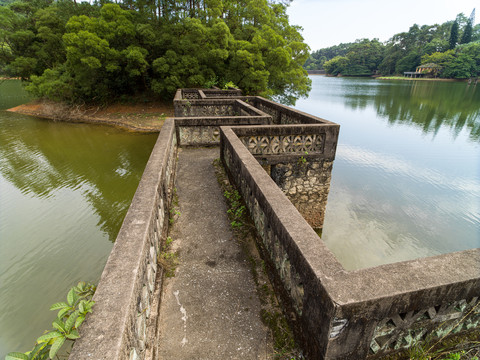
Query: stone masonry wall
283, 115
299, 159
284, 233
306, 184
124, 323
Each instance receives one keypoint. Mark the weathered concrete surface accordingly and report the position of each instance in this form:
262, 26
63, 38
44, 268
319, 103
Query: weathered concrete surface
210, 309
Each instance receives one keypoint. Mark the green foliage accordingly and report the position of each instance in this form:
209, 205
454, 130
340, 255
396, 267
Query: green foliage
229, 85
32, 32
302, 160
403, 52
168, 258
70, 317
461, 63
336, 66
439, 58
319, 57
452, 42
357, 70
102, 50
360, 58
408, 63
237, 210
476, 33
366, 55
462, 67
467, 33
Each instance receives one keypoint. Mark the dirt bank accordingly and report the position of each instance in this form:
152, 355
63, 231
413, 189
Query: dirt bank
419, 79
148, 117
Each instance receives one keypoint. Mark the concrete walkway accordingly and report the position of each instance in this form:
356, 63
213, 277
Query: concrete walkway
210, 308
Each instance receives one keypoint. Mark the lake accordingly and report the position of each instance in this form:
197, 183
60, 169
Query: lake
64, 191
406, 179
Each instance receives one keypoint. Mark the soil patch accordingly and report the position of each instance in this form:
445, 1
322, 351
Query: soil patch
147, 117
419, 79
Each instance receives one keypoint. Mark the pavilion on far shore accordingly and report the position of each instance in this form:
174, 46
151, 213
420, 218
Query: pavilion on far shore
426, 70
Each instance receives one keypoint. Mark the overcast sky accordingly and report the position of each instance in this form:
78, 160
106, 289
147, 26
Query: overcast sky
331, 22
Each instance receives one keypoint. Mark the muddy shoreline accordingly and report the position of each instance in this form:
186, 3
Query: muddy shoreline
148, 117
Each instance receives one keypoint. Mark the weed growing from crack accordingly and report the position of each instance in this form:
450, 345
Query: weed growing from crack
237, 211
168, 259
302, 160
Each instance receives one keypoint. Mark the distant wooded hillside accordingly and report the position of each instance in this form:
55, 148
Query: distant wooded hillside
453, 46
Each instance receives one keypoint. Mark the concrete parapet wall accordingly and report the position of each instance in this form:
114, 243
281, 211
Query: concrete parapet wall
284, 115
205, 131
366, 313
299, 159
123, 325
198, 108
313, 141
286, 237
198, 121
206, 93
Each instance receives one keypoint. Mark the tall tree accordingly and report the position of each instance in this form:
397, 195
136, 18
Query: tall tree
467, 34
453, 36
467, 31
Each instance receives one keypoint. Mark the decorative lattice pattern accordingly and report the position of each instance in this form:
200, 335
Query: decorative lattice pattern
292, 144
210, 94
401, 331
199, 135
208, 110
191, 95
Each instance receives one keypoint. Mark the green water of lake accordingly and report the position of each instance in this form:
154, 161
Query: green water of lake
64, 191
406, 179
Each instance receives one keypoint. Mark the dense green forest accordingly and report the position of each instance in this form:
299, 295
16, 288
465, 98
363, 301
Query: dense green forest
94, 51
453, 46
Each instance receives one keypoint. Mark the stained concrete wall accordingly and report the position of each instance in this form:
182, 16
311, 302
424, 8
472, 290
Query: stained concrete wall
123, 325
197, 122
283, 115
286, 236
360, 314
341, 314
306, 184
299, 158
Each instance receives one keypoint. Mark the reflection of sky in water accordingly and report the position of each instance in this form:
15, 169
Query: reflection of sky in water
401, 189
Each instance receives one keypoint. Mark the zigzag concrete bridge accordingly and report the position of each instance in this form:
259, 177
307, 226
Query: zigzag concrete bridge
280, 160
